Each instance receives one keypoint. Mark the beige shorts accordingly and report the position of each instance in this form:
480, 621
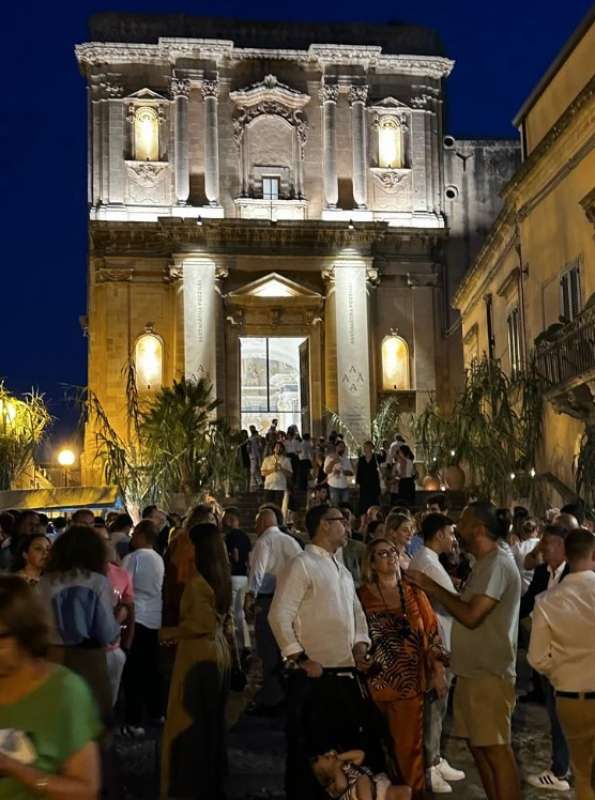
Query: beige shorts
482, 710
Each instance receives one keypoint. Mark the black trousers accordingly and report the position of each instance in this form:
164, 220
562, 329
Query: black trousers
141, 678
333, 712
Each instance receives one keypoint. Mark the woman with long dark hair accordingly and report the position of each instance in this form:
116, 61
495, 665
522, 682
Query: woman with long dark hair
75, 587
194, 760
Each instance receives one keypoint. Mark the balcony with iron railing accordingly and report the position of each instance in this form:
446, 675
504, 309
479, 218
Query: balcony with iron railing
567, 357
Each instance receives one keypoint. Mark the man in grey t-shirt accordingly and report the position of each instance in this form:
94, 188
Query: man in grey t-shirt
483, 656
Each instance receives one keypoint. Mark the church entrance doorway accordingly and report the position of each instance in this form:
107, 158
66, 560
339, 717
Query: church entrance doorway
274, 382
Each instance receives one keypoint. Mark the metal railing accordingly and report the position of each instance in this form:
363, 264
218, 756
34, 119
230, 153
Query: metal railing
571, 354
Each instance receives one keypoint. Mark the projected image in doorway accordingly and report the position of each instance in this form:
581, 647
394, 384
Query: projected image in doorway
270, 369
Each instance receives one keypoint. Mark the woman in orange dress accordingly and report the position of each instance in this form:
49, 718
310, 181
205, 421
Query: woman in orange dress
407, 653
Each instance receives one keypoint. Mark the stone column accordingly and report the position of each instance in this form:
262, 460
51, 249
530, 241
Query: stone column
329, 94
200, 316
353, 357
180, 89
209, 90
357, 100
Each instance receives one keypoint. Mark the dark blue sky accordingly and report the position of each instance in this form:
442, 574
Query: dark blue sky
501, 50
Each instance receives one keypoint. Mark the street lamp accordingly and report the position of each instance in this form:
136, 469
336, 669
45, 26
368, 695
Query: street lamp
66, 459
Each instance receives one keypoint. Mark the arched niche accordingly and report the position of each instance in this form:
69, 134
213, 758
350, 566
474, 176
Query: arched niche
396, 367
148, 362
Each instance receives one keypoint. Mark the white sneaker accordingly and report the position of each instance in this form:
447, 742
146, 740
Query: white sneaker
547, 780
437, 783
450, 773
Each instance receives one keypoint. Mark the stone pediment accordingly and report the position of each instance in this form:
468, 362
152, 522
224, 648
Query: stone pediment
269, 91
147, 94
388, 105
273, 286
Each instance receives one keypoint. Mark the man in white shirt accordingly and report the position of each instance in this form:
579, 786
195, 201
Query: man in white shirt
141, 678
562, 647
339, 469
270, 555
439, 539
528, 541
321, 629
276, 471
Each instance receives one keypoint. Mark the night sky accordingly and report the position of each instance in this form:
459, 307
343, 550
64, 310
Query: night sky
501, 49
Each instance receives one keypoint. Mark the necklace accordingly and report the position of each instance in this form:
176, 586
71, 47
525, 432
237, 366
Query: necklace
402, 620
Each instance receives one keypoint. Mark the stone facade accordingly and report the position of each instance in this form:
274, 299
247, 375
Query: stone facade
372, 217
532, 286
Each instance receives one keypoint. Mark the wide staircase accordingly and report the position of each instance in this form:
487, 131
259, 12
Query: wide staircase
248, 504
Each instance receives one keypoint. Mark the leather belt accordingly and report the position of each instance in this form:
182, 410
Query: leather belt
577, 695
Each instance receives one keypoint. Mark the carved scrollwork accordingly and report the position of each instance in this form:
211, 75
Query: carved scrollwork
389, 179
106, 275
173, 273
146, 173
274, 108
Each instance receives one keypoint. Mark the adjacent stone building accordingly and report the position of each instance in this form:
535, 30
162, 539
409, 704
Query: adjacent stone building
532, 287
277, 207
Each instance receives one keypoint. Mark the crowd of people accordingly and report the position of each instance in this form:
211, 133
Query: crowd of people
368, 628
286, 464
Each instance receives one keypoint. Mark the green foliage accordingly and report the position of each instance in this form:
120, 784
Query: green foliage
23, 426
174, 445
494, 428
383, 425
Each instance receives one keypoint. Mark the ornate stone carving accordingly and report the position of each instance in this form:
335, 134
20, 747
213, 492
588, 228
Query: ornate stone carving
358, 94
246, 115
173, 273
147, 173
105, 275
179, 87
209, 89
328, 93
389, 179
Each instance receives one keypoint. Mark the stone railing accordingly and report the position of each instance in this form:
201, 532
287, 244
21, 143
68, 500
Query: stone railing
571, 355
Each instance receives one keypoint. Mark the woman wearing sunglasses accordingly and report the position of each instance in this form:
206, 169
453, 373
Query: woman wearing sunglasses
407, 656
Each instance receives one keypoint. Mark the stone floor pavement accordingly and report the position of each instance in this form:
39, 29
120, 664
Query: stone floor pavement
257, 748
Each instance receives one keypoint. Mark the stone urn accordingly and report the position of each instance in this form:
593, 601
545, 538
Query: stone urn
431, 483
454, 477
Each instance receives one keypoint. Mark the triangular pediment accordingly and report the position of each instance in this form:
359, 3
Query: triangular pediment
146, 94
273, 285
389, 103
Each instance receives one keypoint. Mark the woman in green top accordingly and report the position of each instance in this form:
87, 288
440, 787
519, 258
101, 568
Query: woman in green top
48, 720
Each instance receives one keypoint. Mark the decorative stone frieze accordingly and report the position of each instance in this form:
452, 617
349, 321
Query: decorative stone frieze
390, 180
147, 173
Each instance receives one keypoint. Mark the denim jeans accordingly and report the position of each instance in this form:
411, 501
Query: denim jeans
560, 754
338, 495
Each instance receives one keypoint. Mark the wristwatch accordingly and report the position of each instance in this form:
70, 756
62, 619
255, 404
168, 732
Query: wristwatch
295, 663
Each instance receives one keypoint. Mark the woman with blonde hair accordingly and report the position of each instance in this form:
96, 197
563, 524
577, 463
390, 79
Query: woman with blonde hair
399, 529
407, 656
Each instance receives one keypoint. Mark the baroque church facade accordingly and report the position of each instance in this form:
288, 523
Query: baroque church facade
278, 208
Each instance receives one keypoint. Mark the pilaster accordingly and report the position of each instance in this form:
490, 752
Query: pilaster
209, 91
357, 99
329, 94
200, 315
180, 89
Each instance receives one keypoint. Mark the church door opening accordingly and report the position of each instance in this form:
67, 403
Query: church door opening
273, 384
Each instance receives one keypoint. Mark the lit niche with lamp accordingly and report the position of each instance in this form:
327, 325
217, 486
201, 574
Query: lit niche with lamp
147, 166
390, 150
396, 370
148, 362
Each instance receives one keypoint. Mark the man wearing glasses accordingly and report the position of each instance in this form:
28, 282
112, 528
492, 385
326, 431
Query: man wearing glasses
322, 633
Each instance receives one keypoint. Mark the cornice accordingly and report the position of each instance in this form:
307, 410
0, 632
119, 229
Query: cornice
555, 132
269, 90
173, 234
167, 51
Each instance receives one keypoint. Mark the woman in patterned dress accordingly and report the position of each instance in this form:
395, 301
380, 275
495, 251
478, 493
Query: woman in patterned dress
407, 654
